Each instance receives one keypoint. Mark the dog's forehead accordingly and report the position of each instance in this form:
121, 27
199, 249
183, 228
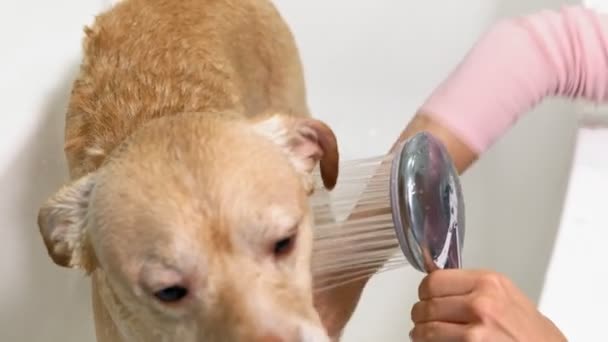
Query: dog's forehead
282, 215
233, 180
252, 179
169, 194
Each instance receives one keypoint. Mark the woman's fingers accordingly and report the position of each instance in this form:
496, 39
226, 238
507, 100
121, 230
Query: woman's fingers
439, 332
447, 283
454, 309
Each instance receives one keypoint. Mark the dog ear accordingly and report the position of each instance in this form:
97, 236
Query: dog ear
62, 221
307, 142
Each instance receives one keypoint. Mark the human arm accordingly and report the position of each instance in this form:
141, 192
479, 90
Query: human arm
512, 68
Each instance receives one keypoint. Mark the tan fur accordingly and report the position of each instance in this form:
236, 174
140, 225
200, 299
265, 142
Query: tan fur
190, 149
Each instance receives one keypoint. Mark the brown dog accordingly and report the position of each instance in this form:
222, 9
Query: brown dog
190, 149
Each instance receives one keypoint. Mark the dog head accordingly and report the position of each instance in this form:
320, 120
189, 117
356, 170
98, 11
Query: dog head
198, 228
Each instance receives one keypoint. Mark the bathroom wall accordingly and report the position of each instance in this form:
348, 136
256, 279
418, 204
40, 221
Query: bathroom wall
574, 294
369, 64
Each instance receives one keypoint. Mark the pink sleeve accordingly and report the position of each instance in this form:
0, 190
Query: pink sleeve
518, 63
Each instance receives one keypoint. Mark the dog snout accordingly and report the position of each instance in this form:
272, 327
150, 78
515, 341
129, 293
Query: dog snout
274, 338
312, 333
306, 333
278, 334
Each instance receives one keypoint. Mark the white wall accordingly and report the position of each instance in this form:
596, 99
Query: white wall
573, 284
369, 64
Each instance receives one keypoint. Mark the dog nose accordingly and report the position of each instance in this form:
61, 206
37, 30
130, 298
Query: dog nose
303, 334
274, 338
309, 333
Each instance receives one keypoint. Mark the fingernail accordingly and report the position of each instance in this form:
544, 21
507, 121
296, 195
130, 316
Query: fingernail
411, 335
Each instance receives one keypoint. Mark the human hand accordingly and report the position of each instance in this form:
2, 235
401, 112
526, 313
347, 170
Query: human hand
475, 306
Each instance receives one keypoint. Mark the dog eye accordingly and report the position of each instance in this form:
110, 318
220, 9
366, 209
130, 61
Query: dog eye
171, 294
284, 246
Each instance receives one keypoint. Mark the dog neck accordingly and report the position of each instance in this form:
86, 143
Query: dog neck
106, 327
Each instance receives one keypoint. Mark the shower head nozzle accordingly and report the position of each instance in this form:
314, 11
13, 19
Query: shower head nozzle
427, 204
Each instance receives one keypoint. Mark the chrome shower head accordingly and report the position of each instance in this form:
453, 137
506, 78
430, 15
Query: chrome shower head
411, 200
427, 204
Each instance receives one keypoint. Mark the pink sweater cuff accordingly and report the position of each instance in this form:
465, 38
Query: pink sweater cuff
515, 65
